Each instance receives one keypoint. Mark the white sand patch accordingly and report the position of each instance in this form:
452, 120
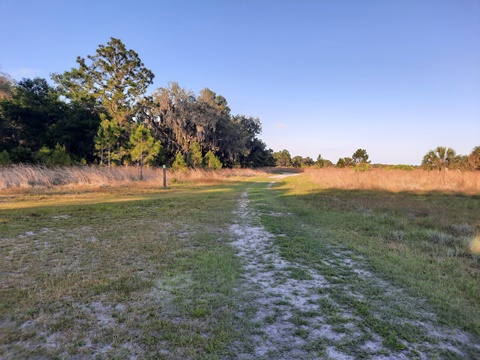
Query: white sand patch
27, 234
291, 313
283, 175
61, 217
333, 353
286, 335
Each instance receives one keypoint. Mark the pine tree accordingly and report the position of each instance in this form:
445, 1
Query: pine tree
195, 158
212, 162
144, 146
179, 162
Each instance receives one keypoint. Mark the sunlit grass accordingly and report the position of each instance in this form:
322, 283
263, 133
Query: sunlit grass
59, 200
475, 245
426, 242
453, 181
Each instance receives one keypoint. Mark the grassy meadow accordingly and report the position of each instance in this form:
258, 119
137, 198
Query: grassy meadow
118, 271
421, 230
114, 268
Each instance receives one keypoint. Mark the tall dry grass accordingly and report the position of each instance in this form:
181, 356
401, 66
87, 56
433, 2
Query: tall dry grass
454, 181
27, 176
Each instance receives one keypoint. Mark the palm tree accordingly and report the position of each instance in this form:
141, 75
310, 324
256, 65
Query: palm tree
439, 158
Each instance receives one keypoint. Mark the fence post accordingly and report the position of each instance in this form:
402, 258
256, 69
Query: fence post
165, 176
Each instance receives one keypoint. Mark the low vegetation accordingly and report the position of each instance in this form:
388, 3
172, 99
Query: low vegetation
120, 271
421, 237
396, 180
108, 266
22, 177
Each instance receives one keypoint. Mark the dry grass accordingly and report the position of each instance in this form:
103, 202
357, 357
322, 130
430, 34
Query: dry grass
467, 182
420, 229
25, 176
212, 176
475, 245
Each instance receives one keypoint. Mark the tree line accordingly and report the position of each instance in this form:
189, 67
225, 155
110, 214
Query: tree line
440, 158
443, 157
359, 159
98, 112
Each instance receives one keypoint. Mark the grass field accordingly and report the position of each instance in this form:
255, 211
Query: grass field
426, 242
132, 270
119, 271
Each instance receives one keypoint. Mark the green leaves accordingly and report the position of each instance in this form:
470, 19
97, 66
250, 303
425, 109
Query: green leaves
212, 162
474, 158
283, 158
440, 158
360, 156
145, 148
179, 162
117, 79
105, 100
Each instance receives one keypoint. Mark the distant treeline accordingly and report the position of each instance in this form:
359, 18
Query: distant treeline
99, 113
438, 159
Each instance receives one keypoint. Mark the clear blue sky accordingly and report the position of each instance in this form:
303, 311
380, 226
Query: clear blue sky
394, 77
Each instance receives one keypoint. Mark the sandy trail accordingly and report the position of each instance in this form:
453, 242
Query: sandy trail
297, 316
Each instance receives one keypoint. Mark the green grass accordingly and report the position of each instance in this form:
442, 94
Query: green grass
113, 273
419, 242
150, 272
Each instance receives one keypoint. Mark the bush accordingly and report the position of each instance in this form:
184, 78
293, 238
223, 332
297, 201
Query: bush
474, 158
212, 162
179, 162
5, 158
21, 155
56, 157
363, 166
401, 167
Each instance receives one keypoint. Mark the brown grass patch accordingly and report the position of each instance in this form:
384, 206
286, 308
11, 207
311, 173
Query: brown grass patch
28, 177
475, 245
467, 182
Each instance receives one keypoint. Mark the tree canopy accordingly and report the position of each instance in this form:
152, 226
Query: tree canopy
474, 158
99, 112
95, 111
34, 117
283, 158
440, 158
360, 156
144, 146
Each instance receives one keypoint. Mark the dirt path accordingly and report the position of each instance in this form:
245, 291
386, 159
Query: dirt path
302, 315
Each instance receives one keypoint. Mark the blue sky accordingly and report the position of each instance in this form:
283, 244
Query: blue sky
395, 77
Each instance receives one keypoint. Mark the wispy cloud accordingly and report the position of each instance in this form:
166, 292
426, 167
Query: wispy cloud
281, 126
24, 73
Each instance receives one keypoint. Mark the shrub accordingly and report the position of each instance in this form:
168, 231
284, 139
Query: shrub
21, 155
179, 162
363, 166
212, 162
401, 167
55, 157
474, 158
5, 158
